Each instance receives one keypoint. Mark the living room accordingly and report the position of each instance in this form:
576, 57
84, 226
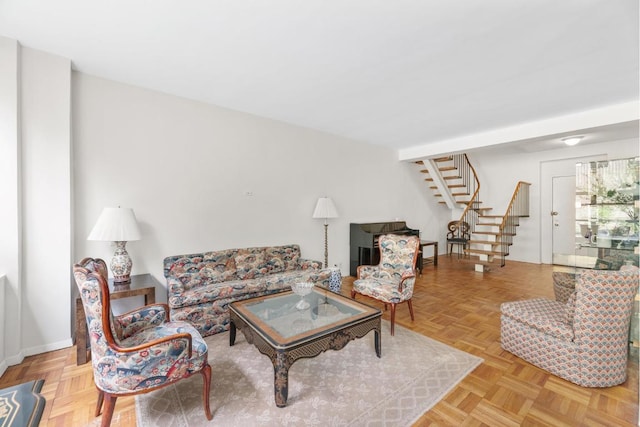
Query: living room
203, 177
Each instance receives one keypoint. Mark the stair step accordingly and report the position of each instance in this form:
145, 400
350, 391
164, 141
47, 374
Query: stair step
424, 170
447, 168
482, 252
443, 159
490, 224
419, 162
429, 179
460, 194
456, 185
451, 177
493, 216
433, 187
488, 233
485, 242
489, 264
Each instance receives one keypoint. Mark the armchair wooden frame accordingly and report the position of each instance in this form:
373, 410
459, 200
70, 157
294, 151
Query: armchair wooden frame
401, 285
108, 399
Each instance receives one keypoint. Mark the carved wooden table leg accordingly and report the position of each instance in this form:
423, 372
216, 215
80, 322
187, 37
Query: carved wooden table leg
281, 379
232, 333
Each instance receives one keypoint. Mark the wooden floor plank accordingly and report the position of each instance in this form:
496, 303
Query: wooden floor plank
454, 305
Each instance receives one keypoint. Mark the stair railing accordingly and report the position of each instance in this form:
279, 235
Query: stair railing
518, 208
469, 178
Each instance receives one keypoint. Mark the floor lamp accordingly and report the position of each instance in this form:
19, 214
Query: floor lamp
325, 209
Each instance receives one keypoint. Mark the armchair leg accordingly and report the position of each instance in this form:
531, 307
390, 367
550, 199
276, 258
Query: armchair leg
353, 294
99, 403
393, 316
411, 309
206, 374
109, 406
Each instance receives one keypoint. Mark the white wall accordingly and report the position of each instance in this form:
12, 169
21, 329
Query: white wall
10, 238
46, 200
184, 167
35, 224
500, 173
3, 361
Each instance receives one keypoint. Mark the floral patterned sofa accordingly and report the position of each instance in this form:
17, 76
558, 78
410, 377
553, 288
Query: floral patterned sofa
201, 286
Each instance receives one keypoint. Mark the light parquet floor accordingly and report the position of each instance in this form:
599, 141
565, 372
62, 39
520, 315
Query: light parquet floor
453, 304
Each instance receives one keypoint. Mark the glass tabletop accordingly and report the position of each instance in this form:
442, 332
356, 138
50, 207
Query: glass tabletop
280, 320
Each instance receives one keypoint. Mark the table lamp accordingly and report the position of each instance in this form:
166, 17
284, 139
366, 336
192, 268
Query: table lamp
117, 225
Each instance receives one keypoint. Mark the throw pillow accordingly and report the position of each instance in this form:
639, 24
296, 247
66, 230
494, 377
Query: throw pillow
250, 265
219, 266
290, 255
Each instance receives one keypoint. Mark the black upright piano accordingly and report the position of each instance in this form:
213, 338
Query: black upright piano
364, 241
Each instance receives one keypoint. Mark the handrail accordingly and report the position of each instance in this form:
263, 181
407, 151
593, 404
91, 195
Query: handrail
518, 208
469, 210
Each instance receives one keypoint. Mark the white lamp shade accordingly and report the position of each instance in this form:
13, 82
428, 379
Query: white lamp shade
325, 209
116, 225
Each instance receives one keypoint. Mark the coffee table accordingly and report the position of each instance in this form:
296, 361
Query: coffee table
285, 334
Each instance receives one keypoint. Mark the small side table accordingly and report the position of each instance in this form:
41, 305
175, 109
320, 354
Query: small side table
141, 284
421, 260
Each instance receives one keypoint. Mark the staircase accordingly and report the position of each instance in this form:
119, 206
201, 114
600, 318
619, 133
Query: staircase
454, 181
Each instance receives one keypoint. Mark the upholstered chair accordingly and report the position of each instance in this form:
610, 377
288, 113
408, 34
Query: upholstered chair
139, 351
458, 234
586, 340
392, 280
564, 284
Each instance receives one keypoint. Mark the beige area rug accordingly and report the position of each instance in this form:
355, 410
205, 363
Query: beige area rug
349, 387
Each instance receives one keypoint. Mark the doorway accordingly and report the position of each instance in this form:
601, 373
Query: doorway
564, 170
563, 218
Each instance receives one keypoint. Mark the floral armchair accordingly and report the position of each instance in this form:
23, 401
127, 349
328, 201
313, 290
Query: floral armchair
139, 351
586, 340
392, 280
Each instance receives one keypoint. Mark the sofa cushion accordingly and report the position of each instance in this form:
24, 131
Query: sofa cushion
289, 254
274, 265
250, 265
219, 266
545, 315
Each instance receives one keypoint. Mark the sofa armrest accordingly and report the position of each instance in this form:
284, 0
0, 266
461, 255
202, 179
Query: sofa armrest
309, 263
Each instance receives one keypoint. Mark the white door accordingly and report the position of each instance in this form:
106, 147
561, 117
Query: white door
563, 217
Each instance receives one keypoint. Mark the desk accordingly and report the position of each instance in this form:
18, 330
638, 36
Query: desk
424, 243
141, 284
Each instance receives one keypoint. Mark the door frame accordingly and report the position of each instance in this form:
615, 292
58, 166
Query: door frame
548, 170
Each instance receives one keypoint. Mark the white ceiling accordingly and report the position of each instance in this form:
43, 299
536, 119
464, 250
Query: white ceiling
400, 73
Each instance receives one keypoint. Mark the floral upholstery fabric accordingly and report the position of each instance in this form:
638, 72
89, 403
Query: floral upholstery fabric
250, 265
595, 354
288, 255
202, 299
125, 371
393, 279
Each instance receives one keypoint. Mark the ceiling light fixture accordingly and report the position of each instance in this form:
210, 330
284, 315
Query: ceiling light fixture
572, 140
